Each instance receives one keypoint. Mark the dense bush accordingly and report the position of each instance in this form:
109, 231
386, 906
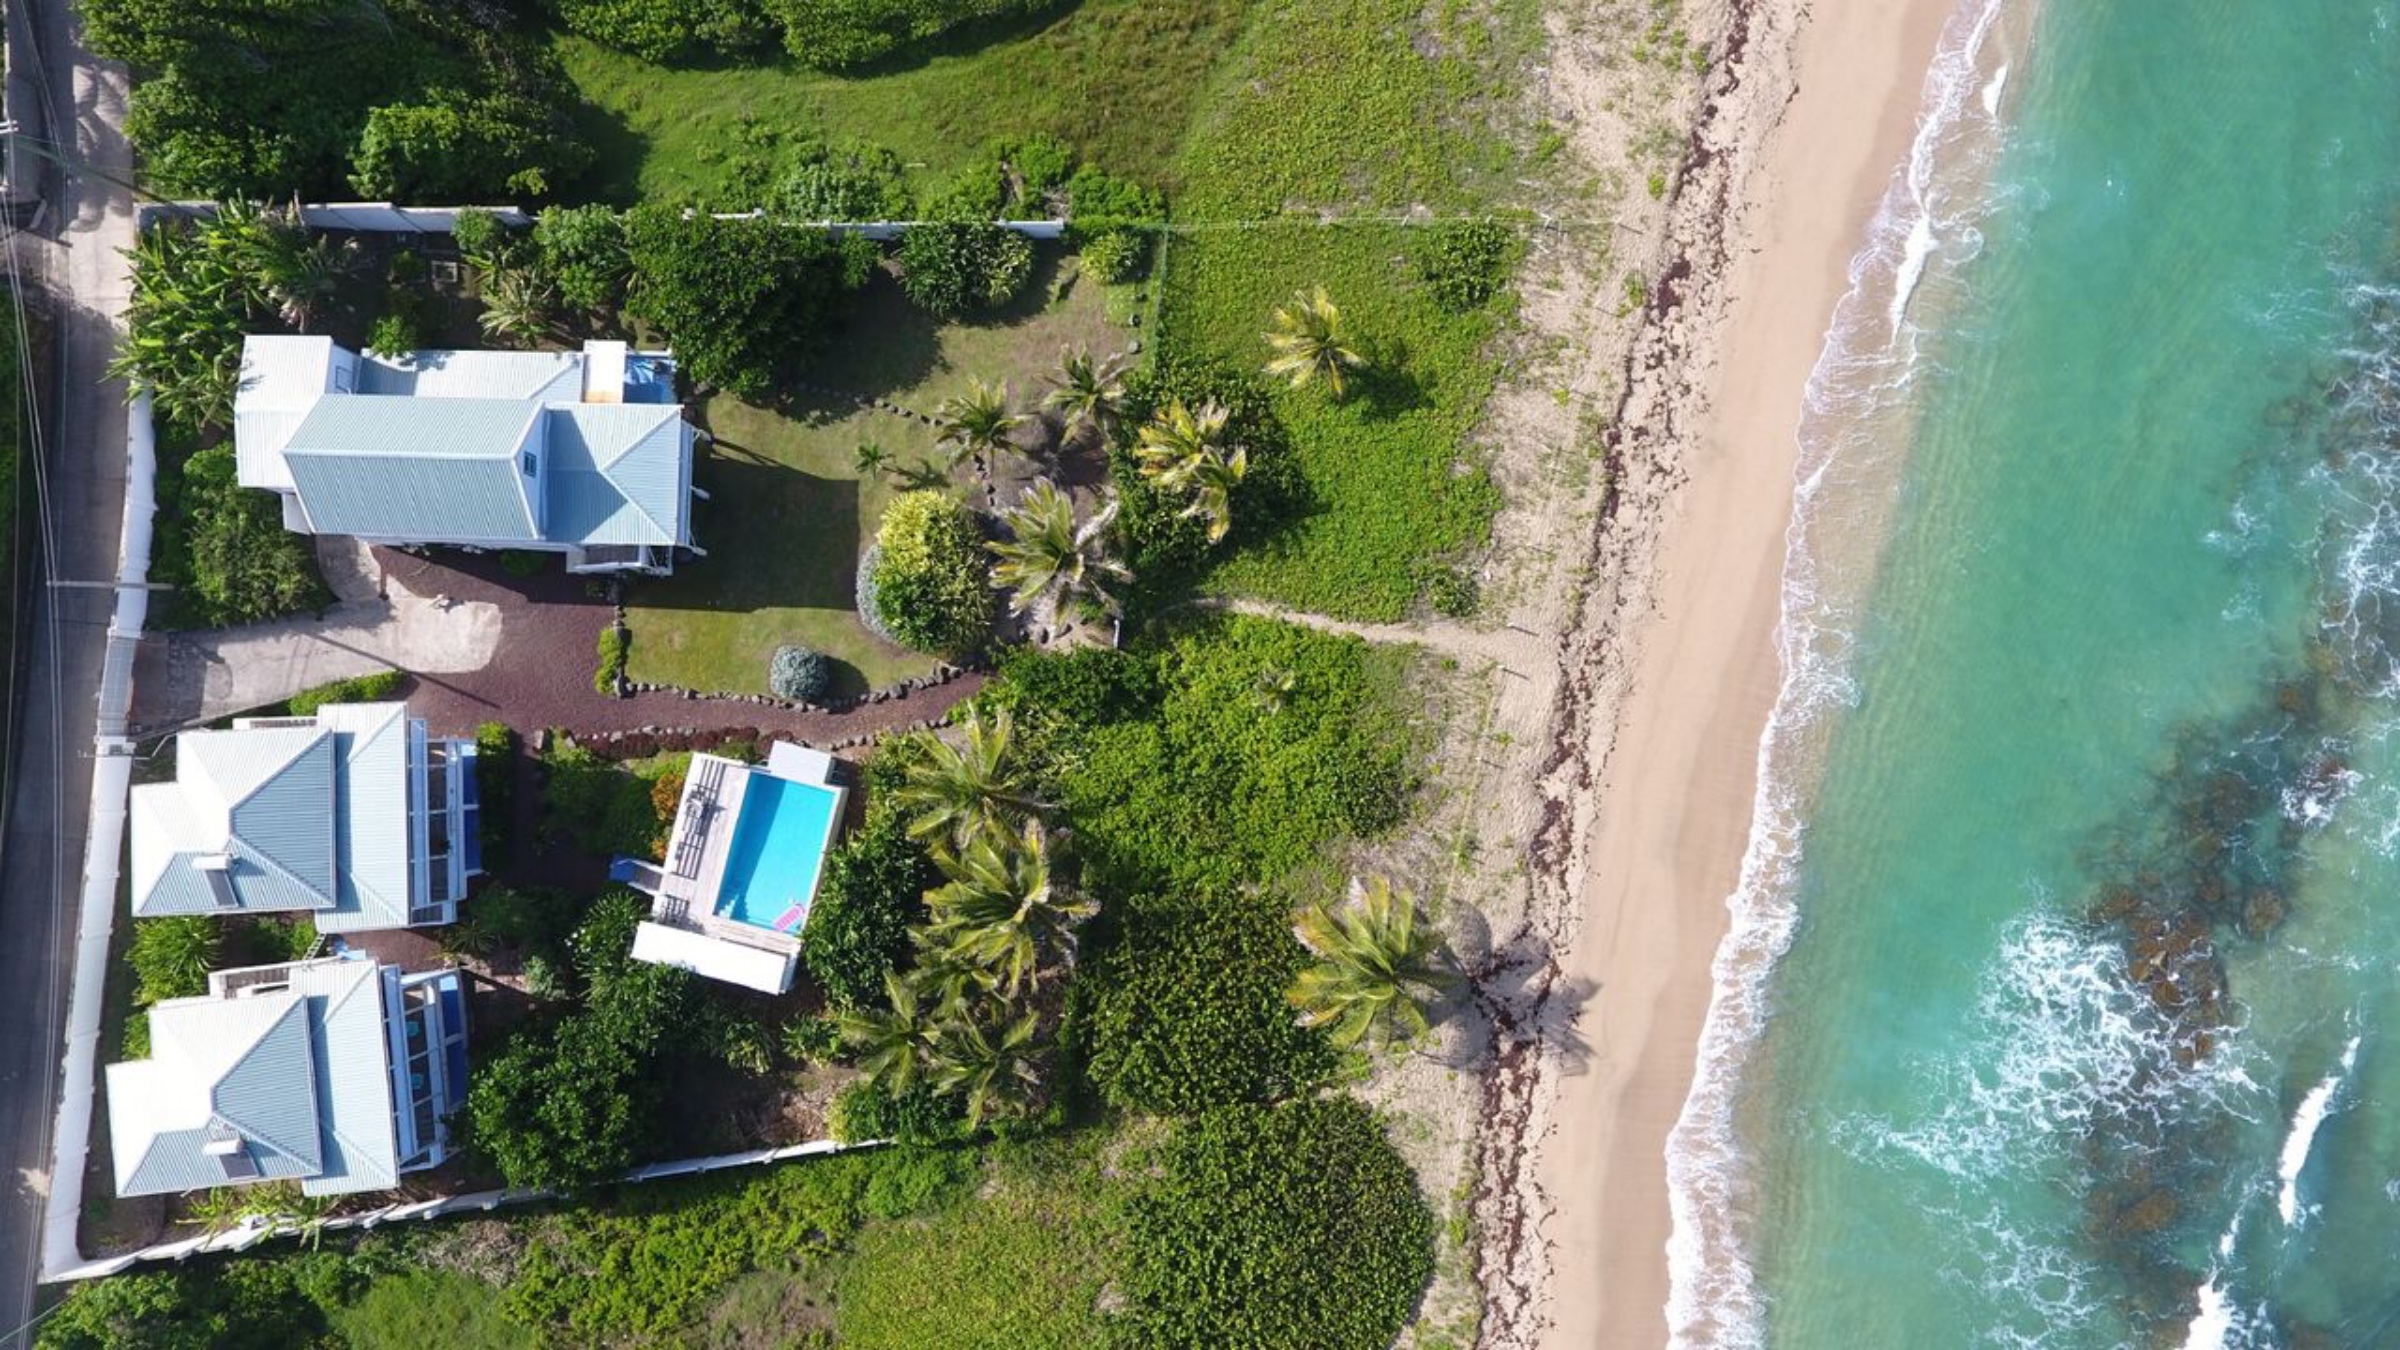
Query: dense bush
668, 30
956, 267
581, 253
1099, 202
852, 183
395, 333
575, 1102
453, 147
1164, 547
171, 958
240, 1303
1187, 1010
225, 547
801, 674
1296, 1226
1259, 744
874, 891
931, 585
737, 297
831, 34
496, 791
868, 1110
611, 647
1115, 255
1464, 264
283, 97
600, 805
368, 688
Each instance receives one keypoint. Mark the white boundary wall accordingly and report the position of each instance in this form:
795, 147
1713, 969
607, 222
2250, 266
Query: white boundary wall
112, 773
251, 1232
385, 218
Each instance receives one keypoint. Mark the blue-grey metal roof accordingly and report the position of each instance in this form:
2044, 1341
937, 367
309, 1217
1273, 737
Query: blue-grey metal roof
433, 469
254, 804
620, 473
296, 1070
371, 816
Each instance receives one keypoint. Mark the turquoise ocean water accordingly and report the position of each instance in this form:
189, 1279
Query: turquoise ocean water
2061, 1005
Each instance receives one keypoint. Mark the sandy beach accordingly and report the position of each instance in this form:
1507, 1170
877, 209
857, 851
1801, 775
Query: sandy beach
1672, 805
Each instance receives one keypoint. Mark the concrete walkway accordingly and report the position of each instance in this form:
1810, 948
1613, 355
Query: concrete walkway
377, 623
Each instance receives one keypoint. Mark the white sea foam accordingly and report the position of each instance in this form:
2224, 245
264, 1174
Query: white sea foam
1993, 90
1862, 374
2303, 1135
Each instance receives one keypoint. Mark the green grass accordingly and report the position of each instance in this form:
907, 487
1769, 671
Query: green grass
789, 513
1116, 79
429, 1308
1019, 1267
1364, 110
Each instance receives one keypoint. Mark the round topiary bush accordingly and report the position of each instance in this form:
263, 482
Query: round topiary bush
799, 674
927, 583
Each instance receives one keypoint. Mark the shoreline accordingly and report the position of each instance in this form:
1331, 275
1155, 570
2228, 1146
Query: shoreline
1813, 140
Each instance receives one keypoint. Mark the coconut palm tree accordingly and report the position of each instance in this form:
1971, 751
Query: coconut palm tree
897, 1043
1051, 558
871, 459
987, 1065
303, 278
957, 792
516, 304
976, 422
1309, 343
1088, 395
1377, 965
1185, 452
1002, 912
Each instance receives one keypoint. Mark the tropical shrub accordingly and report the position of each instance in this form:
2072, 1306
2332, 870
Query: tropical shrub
581, 251
874, 892
855, 182
371, 687
601, 806
1296, 1226
931, 591
1464, 264
956, 267
1115, 255
575, 1102
1099, 202
801, 674
917, 1114
612, 647
1186, 1011
1165, 544
1259, 743
496, 790
226, 546
831, 34
278, 99
171, 958
670, 30
735, 297
395, 333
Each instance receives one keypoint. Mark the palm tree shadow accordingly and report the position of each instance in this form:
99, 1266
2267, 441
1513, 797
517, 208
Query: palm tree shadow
1388, 387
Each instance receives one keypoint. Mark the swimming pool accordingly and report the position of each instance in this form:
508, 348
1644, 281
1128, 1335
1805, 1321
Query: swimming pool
778, 850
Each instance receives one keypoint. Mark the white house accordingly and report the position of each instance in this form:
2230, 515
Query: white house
582, 453
354, 816
338, 1074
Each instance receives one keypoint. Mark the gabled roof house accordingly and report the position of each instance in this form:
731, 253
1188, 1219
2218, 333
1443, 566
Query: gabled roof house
355, 816
338, 1074
584, 453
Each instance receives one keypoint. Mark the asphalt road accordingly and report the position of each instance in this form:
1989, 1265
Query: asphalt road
62, 632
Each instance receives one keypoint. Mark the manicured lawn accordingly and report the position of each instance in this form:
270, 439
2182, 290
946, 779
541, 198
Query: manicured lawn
1364, 110
1116, 79
789, 514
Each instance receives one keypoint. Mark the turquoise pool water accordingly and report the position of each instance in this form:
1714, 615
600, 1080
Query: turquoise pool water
778, 850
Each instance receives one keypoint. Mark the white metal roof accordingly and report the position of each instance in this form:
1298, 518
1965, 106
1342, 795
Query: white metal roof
716, 958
